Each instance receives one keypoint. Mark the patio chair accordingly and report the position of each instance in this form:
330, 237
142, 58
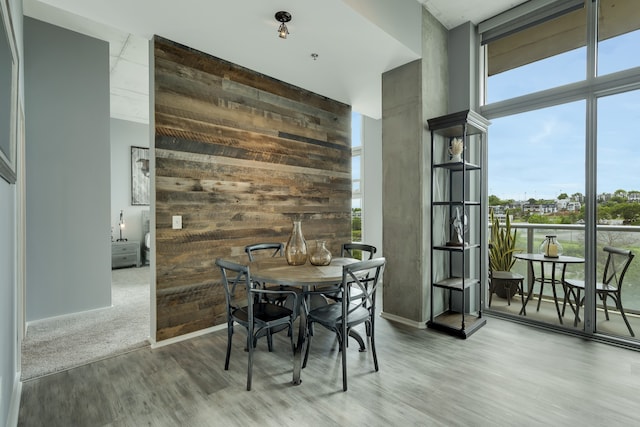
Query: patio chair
618, 261
341, 317
250, 310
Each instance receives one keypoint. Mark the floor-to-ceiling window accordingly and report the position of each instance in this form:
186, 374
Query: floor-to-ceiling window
356, 177
562, 89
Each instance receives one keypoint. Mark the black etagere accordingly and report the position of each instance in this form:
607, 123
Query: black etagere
457, 213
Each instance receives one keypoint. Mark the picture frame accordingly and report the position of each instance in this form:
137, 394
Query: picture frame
139, 176
8, 95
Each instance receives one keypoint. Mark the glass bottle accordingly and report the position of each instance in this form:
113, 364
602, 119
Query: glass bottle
296, 249
550, 247
321, 255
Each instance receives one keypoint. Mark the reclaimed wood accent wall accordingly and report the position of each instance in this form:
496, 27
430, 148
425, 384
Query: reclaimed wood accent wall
239, 155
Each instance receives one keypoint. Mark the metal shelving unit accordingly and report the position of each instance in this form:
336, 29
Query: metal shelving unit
457, 186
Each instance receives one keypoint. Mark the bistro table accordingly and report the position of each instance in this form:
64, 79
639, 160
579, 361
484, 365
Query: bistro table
545, 260
277, 271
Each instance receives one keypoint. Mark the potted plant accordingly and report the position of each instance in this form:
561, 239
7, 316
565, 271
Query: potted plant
502, 247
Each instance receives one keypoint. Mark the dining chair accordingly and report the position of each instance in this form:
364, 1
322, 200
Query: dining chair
249, 309
269, 250
341, 317
618, 261
361, 251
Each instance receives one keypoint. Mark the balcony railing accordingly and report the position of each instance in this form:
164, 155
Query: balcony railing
571, 237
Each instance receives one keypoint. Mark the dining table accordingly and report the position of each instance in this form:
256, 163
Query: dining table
553, 262
306, 277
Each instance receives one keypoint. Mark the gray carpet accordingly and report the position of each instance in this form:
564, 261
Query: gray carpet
57, 345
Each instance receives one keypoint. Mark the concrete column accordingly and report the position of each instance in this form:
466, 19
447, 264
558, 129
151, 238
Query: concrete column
411, 94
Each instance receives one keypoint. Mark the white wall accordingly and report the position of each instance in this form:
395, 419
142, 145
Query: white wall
124, 135
68, 173
9, 338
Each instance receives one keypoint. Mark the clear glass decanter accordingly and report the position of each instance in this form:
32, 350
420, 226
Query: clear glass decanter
296, 249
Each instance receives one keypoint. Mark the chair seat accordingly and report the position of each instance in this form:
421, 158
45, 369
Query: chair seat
599, 286
265, 312
332, 314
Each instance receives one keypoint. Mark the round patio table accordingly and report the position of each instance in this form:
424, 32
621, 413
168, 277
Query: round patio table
532, 258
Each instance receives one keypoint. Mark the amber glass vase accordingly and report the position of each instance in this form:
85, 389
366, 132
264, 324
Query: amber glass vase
320, 255
296, 249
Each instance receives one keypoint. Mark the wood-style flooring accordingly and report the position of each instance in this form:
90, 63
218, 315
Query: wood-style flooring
505, 374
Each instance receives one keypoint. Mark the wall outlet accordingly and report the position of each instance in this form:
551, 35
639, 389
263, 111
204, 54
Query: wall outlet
176, 222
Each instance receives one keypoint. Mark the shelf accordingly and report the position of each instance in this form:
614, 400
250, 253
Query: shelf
457, 166
455, 283
451, 322
456, 248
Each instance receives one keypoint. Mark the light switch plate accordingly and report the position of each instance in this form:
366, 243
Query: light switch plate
176, 222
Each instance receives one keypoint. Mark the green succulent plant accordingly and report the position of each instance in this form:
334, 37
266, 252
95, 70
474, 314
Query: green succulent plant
502, 244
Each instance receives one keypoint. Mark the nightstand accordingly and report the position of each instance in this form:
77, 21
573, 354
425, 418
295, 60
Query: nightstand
125, 254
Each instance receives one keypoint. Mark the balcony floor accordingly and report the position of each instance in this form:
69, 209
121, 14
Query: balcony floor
615, 326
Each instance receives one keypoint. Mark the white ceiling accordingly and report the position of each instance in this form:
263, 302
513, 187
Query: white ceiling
356, 40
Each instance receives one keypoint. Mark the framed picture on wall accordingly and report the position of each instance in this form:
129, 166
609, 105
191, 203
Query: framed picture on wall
139, 176
8, 95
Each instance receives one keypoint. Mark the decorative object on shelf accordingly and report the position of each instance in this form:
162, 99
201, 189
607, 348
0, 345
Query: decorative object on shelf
139, 176
121, 226
550, 247
460, 224
296, 249
455, 149
283, 17
321, 255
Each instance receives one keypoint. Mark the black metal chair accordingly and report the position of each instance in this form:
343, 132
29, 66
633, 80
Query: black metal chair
269, 250
341, 317
360, 251
616, 266
250, 310
272, 250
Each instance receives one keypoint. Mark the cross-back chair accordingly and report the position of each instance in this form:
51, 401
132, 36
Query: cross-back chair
618, 261
344, 315
246, 306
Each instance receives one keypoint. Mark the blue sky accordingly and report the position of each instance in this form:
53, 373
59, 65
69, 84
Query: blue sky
541, 154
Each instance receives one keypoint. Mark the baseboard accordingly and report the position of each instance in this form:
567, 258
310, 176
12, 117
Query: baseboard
62, 317
188, 336
403, 320
14, 405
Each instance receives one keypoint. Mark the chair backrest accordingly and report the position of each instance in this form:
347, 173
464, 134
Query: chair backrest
618, 261
358, 251
234, 275
268, 249
363, 276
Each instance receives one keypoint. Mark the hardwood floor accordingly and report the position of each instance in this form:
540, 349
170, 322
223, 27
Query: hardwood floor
505, 374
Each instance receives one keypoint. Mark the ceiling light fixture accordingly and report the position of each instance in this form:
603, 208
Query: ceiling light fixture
283, 17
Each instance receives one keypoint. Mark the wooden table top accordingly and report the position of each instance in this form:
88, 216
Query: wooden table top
277, 271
